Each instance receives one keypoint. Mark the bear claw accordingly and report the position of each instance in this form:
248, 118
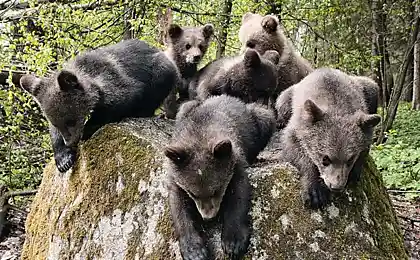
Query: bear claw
235, 244
193, 250
65, 160
317, 196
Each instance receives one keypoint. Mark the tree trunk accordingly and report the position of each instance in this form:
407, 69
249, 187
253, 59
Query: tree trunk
408, 89
227, 11
398, 90
164, 19
379, 48
113, 205
130, 13
275, 8
416, 71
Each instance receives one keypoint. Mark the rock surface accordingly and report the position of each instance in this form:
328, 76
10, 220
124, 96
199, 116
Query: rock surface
113, 205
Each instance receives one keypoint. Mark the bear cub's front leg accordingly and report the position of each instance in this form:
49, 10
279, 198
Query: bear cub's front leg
64, 156
186, 221
236, 226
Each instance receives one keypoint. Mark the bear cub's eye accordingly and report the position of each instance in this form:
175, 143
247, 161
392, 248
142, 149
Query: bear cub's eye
188, 46
350, 161
326, 161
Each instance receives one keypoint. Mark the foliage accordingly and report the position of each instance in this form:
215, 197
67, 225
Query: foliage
399, 158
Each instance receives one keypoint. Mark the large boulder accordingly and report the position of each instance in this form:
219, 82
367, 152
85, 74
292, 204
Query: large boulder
113, 205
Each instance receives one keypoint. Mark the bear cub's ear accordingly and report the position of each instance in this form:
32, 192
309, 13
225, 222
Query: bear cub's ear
270, 23
30, 83
174, 31
367, 121
68, 81
246, 17
251, 58
272, 56
208, 30
223, 149
313, 112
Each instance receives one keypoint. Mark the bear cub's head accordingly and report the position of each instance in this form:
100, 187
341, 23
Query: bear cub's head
334, 143
189, 43
252, 79
203, 171
63, 100
261, 33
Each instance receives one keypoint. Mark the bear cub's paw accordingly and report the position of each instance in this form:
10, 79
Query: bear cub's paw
193, 248
316, 195
65, 159
235, 241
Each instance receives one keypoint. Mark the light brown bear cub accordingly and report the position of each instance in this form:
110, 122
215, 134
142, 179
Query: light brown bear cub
366, 85
264, 33
329, 133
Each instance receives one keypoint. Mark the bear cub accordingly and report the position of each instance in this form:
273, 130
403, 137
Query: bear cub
329, 133
264, 33
128, 79
186, 47
368, 87
250, 77
212, 143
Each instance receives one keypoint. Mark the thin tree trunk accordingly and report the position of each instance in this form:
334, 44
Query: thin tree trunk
397, 91
130, 14
316, 51
377, 49
164, 19
416, 72
275, 8
227, 10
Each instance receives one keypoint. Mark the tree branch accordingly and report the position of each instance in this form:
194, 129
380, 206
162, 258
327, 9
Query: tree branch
16, 15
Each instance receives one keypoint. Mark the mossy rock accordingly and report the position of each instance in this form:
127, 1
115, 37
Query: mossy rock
113, 205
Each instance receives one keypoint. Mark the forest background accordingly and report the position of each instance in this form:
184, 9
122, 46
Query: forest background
375, 38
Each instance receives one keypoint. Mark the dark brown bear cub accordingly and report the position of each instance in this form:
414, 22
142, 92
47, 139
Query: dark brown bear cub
212, 143
249, 76
128, 79
329, 133
186, 47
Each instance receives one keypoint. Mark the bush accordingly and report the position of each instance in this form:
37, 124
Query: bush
399, 158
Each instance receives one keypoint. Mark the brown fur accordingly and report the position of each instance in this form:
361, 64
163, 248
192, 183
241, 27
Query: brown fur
264, 33
329, 133
186, 47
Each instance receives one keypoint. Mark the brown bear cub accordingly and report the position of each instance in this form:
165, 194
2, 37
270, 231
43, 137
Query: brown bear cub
329, 133
250, 77
212, 143
264, 33
186, 47
368, 87
128, 79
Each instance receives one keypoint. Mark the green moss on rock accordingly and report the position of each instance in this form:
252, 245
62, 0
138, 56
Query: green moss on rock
113, 205
359, 223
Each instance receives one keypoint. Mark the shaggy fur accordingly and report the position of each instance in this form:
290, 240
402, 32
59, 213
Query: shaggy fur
211, 144
128, 79
329, 133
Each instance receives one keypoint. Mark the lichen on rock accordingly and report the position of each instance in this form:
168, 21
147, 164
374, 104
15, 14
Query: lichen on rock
113, 205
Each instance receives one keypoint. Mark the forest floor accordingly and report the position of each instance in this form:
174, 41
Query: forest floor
408, 212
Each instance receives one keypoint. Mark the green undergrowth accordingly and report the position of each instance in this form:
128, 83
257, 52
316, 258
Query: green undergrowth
398, 158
